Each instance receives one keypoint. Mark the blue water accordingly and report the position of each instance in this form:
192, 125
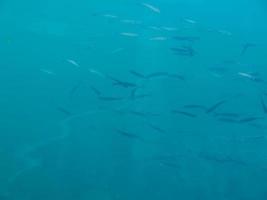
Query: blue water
126, 100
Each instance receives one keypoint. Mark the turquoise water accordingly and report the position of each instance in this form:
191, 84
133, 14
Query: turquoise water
126, 100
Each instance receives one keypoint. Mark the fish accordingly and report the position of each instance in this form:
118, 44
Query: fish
248, 75
105, 98
96, 91
169, 28
232, 115
48, 72
250, 119
129, 34
130, 21
98, 73
246, 47
215, 106
156, 128
73, 62
222, 159
110, 16
74, 89
160, 38
117, 50
128, 134
137, 74
176, 76
225, 32
229, 120
195, 106
64, 111
184, 113
186, 38
157, 75
170, 164
264, 106
183, 51
122, 83
151, 7
190, 21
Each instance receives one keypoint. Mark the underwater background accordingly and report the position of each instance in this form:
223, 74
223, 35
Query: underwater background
127, 99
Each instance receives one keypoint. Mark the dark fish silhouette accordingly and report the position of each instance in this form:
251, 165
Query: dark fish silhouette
64, 111
221, 159
156, 128
246, 47
124, 84
157, 75
195, 106
176, 76
137, 74
229, 120
250, 119
129, 135
96, 91
105, 98
184, 113
186, 38
74, 89
215, 106
183, 51
264, 106
232, 115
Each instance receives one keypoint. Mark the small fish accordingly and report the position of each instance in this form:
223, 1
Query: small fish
151, 7
184, 113
225, 32
250, 119
222, 159
73, 62
93, 71
186, 38
169, 28
48, 71
251, 76
229, 120
246, 47
129, 21
117, 50
157, 75
190, 21
155, 28
110, 16
170, 164
194, 106
176, 76
232, 115
264, 106
129, 135
122, 83
96, 91
137, 74
158, 38
74, 89
64, 111
129, 34
156, 128
104, 98
184, 51
215, 106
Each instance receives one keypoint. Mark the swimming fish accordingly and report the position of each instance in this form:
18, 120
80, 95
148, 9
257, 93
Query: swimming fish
151, 7
184, 113
73, 62
215, 106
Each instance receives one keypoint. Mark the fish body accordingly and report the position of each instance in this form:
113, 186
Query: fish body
151, 7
